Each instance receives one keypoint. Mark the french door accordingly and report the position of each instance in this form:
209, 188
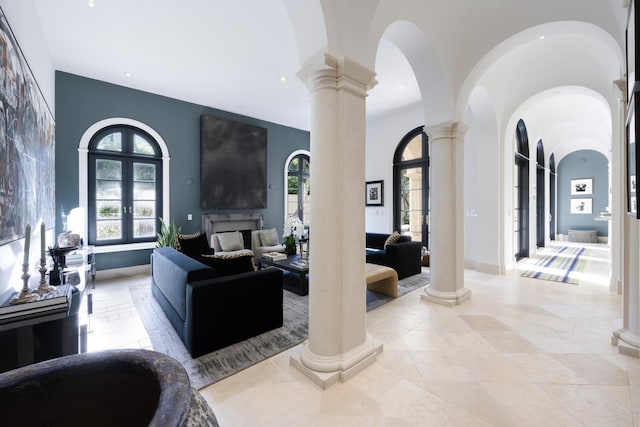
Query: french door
411, 186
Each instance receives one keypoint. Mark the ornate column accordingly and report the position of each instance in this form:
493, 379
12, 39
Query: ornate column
447, 215
338, 346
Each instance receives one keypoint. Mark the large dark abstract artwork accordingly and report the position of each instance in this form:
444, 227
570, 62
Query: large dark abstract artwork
27, 144
233, 165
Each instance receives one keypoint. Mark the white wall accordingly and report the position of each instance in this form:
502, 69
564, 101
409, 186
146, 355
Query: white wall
25, 24
482, 194
383, 136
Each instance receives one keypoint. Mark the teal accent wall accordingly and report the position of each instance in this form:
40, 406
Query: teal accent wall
81, 102
578, 165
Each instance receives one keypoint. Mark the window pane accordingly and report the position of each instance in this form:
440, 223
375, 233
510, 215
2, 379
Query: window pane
108, 190
108, 169
305, 166
411, 210
144, 191
293, 166
109, 230
292, 185
144, 172
144, 228
111, 142
142, 146
413, 150
144, 209
108, 209
306, 201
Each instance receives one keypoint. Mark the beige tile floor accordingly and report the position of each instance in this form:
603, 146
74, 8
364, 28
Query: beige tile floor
520, 352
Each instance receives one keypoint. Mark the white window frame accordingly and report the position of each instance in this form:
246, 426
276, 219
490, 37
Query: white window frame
83, 176
286, 176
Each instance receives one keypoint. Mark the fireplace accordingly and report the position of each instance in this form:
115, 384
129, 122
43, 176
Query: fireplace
218, 223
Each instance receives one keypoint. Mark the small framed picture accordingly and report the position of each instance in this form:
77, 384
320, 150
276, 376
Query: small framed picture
581, 187
581, 206
374, 195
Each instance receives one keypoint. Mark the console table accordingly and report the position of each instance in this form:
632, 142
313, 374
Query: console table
47, 336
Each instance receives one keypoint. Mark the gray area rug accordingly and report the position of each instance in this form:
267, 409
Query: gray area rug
210, 368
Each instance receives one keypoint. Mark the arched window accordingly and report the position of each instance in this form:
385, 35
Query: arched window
540, 195
411, 186
124, 186
552, 197
521, 182
298, 186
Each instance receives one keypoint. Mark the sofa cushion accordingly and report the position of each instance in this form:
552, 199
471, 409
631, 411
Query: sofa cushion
194, 244
231, 264
393, 238
269, 237
231, 241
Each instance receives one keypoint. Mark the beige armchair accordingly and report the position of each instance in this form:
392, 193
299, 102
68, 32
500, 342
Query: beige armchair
229, 245
263, 241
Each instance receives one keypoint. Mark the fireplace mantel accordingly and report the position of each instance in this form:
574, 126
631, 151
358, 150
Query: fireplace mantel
218, 223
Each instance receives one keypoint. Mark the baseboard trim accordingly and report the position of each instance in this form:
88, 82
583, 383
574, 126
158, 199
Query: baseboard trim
119, 273
489, 268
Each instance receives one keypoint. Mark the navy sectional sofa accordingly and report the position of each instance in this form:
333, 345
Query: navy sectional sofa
404, 256
210, 312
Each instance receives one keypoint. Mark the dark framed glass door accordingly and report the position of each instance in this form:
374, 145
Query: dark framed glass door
411, 186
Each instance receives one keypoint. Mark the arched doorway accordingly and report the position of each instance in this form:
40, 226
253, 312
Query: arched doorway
552, 197
540, 195
521, 192
411, 186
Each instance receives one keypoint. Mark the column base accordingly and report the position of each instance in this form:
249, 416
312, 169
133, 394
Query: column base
627, 342
313, 366
448, 299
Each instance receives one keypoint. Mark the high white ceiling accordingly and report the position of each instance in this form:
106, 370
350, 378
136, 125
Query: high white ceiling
241, 56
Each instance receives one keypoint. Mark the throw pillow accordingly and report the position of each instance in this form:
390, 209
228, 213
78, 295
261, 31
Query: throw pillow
230, 265
393, 238
231, 241
269, 237
194, 244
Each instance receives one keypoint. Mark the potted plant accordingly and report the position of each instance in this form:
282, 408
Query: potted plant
168, 235
293, 230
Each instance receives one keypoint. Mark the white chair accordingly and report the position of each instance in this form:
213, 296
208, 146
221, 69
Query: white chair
229, 245
263, 241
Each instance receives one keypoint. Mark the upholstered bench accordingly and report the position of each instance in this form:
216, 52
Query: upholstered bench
382, 279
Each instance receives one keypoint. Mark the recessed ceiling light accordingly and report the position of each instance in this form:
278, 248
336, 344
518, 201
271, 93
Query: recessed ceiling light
283, 79
541, 37
128, 74
92, 3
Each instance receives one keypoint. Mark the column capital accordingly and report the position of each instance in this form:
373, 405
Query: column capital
447, 130
324, 71
620, 89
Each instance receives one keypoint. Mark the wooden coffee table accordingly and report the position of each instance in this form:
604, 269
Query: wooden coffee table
297, 279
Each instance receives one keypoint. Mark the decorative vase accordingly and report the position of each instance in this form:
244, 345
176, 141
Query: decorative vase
66, 239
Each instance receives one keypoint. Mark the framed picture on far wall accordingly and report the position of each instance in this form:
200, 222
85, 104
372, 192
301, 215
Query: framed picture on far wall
581, 206
581, 187
374, 195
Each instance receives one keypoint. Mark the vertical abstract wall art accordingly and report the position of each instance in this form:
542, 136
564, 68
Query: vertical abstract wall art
233, 165
27, 144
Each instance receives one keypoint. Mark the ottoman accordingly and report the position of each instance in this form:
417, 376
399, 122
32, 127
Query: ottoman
382, 279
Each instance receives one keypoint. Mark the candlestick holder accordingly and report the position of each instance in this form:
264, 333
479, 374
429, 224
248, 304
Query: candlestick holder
43, 288
25, 295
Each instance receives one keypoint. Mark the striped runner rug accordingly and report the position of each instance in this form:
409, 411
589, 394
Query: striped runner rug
558, 265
